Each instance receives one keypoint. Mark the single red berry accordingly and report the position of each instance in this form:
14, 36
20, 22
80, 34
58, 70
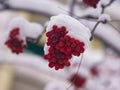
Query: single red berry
54, 27
51, 65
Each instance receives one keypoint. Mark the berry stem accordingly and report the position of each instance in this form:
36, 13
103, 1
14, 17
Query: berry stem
76, 72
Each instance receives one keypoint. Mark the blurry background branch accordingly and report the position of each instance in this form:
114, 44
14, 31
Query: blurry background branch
72, 5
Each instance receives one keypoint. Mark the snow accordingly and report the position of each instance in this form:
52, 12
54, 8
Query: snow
113, 11
20, 23
74, 27
107, 33
93, 12
46, 48
46, 7
29, 61
104, 2
104, 17
27, 29
5, 17
34, 30
56, 86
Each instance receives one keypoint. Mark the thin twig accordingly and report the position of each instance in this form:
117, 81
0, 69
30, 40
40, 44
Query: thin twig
76, 73
93, 30
105, 6
89, 17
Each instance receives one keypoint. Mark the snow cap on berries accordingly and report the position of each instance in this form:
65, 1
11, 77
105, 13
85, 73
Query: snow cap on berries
18, 29
73, 26
27, 29
65, 37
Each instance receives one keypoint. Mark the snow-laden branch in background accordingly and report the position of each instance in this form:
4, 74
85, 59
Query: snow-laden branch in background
106, 33
45, 7
103, 5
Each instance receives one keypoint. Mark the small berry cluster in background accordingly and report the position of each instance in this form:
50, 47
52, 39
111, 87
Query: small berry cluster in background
18, 31
62, 47
14, 43
78, 80
92, 3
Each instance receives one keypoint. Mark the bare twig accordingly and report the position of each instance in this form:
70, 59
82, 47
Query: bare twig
88, 17
72, 5
93, 30
105, 6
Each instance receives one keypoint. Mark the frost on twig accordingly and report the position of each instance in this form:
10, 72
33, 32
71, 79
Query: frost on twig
104, 18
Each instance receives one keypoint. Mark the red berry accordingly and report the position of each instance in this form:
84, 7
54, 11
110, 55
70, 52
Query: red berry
54, 27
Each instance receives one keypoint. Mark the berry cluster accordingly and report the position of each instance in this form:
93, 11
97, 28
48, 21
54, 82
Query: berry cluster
94, 71
78, 80
69, 45
14, 43
62, 47
92, 3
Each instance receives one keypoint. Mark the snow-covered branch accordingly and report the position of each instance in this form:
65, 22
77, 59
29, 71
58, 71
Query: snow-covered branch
44, 7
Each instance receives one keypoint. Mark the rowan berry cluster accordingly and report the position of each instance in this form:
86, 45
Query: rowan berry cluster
14, 43
62, 47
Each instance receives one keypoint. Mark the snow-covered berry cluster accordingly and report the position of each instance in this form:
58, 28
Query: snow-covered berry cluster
18, 30
14, 43
61, 46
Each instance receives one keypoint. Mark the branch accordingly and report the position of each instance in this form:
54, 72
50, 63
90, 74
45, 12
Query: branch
102, 11
72, 5
105, 6
33, 6
108, 44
